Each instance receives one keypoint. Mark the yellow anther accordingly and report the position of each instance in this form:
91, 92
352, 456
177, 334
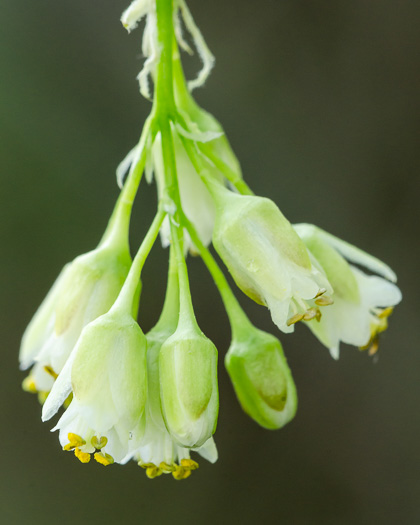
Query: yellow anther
374, 347
325, 300
181, 473
28, 385
103, 458
318, 315
386, 312
74, 441
69, 399
42, 397
294, 319
84, 457
320, 292
153, 472
146, 465
99, 443
166, 468
50, 371
310, 314
189, 464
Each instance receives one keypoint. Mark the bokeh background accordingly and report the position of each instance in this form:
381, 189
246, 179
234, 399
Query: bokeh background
319, 100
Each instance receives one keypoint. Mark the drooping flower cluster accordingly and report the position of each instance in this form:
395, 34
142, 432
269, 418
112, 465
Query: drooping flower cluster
154, 398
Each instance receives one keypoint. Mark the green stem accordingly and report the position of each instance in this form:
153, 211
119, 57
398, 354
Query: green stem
164, 94
231, 176
186, 311
168, 319
185, 100
129, 289
117, 230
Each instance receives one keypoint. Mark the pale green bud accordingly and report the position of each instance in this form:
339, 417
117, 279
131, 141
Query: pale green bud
262, 379
188, 386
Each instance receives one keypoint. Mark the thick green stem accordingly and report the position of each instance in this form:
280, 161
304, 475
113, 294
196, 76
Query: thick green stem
164, 94
117, 230
168, 319
128, 291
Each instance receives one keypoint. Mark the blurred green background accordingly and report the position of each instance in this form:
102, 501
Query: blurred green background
319, 100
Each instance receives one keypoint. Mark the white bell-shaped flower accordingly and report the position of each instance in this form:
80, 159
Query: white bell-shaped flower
266, 257
107, 375
362, 303
85, 289
157, 451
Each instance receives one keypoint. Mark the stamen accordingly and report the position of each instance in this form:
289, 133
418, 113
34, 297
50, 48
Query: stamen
310, 314
50, 371
189, 463
28, 385
374, 347
75, 441
320, 292
166, 468
99, 443
383, 314
103, 458
83, 457
42, 397
294, 319
69, 399
325, 300
153, 472
181, 473
145, 465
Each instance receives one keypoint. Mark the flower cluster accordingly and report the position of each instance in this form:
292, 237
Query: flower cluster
154, 397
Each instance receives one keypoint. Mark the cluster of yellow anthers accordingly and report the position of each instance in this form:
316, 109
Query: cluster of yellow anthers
76, 442
321, 299
181, 471
377, 327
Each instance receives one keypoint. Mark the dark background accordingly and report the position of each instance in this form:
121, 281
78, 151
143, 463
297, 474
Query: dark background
319, 101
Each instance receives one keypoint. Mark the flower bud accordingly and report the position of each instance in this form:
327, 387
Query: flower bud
188, 386
265, 256
262, 379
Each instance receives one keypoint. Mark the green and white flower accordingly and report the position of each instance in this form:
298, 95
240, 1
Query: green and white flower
157, 452
85, 289
266, 257
107, 375
362, 303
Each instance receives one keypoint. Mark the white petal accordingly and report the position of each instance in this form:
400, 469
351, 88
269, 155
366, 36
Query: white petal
377, 291
134, 13
124, 166
41, 325
204, 52
60, 391
358, 256
208, 451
